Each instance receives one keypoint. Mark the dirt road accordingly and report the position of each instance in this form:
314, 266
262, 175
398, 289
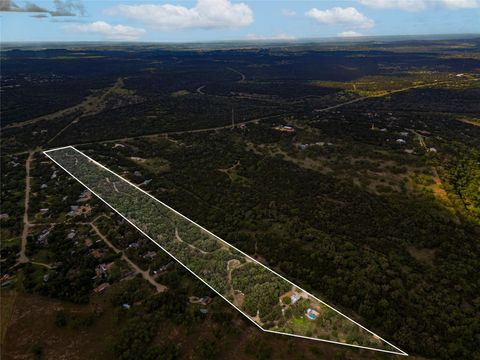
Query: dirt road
22, 258
145, 274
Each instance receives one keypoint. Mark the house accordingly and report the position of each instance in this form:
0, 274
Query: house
292, 295
88, 242
432, 149
6, 284
102, 268
83, 210
164, 268
4, 216
424, 132
136, 158
312, 313
73, 210
205, 300
126, 306
400, 141
97, 254
84, 196
146, 182
285, 128
150, 254
100, 288
42, 238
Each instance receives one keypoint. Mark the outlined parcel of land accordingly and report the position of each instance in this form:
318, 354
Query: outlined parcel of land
269, 300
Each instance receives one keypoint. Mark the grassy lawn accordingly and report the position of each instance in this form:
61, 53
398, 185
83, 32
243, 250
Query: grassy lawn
302, 325
155, 165
15, 241
43, 256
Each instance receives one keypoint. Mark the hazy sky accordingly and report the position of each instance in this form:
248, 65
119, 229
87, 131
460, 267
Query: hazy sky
207, 20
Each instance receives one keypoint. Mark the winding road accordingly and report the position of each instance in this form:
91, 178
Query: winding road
145, 273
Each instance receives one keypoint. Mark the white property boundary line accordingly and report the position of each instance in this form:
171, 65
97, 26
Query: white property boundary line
400, 352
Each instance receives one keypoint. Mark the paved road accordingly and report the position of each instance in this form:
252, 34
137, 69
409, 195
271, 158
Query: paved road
195, 131
383, 95
261, 118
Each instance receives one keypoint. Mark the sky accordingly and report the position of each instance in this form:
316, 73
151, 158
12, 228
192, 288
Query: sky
221, 20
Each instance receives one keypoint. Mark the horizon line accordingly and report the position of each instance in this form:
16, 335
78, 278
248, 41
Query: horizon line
325, 39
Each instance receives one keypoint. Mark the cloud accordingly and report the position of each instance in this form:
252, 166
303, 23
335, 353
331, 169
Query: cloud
409, 5
460, 4
206, 14
68, 20
278, 36
288, 12
110, 32
348, 34
68, 8
416, 5
62, 8
341, 16
8, 5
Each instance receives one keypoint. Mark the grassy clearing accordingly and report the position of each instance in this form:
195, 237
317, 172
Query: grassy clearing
470, 120
302, 325
180, 93
155, 165
379, 85
6, 243
7, 305
43, 256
